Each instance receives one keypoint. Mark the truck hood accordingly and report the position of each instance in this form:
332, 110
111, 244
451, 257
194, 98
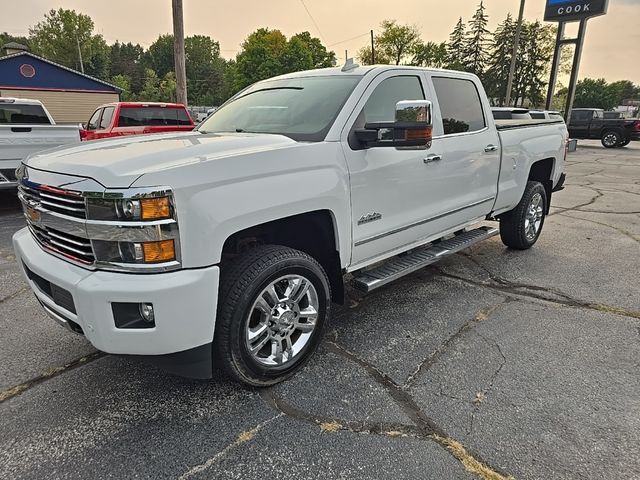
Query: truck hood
117, 163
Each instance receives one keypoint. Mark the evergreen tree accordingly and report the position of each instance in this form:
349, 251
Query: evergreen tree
455, 46
497, 73
475, 49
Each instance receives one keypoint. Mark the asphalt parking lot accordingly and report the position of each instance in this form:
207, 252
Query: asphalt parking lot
494, 363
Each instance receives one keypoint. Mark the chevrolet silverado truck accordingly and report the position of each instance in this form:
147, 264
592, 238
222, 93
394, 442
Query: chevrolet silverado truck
226, 246
589, 123
27, 127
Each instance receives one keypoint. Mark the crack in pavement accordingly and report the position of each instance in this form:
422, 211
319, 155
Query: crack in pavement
243, 437
524, 290
423, 428
618, 229
598, 195
14, 294
433, 357
49, 374
485, 392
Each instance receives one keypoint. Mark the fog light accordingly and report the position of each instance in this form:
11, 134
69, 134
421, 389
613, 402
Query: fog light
146, 312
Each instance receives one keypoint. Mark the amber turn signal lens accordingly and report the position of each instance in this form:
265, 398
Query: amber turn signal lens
163, 251
418, 134
155, 208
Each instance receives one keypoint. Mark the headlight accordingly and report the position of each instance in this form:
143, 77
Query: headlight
162, 251
130, 209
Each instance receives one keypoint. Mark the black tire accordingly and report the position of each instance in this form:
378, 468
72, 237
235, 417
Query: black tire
513, 223
241, 284
624, 143
611, 139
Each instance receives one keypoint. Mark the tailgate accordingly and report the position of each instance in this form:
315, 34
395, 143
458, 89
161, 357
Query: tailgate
18, 141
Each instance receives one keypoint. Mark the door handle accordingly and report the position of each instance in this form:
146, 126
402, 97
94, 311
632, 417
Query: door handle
491, 148
432, 158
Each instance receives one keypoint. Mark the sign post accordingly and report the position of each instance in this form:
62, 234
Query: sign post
563, 12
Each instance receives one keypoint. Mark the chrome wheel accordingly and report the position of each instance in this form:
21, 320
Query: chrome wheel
533, 217
282, 320
610, 140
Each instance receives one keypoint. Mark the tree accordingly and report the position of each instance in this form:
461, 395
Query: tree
64, 35
475, 46
623, 90
159, 56
124, 82
397, 42
126, 60
260, 56
497, 73
7, 37
266, 53
430, 54
592, 93
363, 56
320, 56
455, 47
205, 70
150, 87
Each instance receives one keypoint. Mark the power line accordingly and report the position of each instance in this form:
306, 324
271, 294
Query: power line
312, 19
348, 39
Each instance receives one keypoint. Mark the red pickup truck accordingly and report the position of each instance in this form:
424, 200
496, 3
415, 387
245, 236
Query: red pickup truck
136, 118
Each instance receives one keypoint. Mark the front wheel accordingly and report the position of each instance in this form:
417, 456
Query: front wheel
274, 302
611, 139
521, 227
626, 142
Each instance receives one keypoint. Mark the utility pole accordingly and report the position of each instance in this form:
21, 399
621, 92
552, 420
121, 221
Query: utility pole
79, 53
373, 51
516, 44
178, 52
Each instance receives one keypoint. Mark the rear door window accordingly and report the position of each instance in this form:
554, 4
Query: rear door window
537, 115
460, 105
152, 116
107, 115
23, 114
92, 124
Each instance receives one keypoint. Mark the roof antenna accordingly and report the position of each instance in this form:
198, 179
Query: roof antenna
349, 65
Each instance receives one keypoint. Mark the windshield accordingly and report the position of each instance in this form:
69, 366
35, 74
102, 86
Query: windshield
300, 108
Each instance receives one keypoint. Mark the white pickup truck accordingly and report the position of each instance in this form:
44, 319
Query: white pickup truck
27, 127
227, 245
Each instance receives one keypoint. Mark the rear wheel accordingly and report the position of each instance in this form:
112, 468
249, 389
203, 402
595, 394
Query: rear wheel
521, 227
611, 139
274, 303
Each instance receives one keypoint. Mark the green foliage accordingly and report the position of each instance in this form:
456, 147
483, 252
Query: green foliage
266, 53
596, 93
430, 54
205, 70
7, 37
126, 59
476, 43
363, 56
456, 45
320, 56
159, 56
124, 82
63, 35
396, 42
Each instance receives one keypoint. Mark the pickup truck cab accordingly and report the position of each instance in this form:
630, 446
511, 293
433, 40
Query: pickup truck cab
226, 246
136, 118
589, 123
27, 127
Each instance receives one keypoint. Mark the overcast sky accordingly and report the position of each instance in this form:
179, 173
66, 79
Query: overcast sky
612, 47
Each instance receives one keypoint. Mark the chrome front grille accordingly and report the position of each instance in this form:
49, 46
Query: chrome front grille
75, 248
66, 202
43, 207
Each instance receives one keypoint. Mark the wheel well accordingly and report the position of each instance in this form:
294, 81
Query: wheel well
541, 171
312, 233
